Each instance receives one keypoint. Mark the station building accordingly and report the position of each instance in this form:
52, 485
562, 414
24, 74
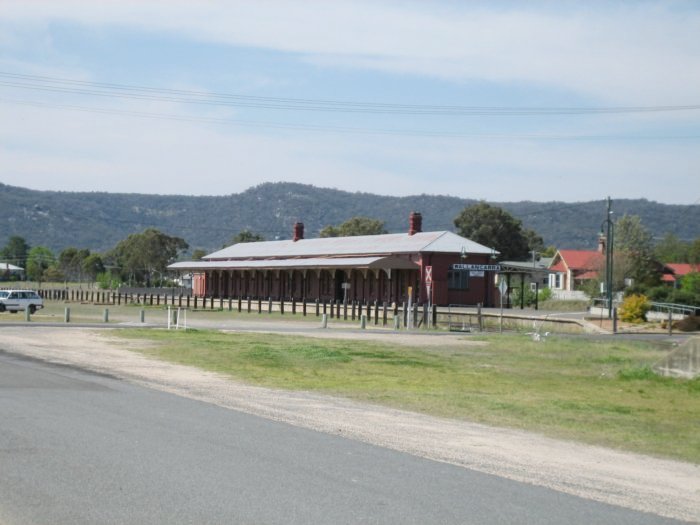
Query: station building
441, 266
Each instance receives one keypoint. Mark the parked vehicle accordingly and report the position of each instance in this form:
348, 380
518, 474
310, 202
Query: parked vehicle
16, 300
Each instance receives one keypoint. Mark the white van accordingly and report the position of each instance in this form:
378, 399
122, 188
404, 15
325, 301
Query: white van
16, 300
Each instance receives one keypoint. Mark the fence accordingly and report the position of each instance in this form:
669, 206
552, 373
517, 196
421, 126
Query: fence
466, 318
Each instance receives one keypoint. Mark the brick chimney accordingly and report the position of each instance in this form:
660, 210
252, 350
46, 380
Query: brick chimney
415, 223
298, 231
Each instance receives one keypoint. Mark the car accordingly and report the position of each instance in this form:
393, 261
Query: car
16, 300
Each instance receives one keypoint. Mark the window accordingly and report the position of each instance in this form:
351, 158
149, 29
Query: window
458, 279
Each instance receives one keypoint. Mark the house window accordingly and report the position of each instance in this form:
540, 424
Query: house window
458, 279
555, 281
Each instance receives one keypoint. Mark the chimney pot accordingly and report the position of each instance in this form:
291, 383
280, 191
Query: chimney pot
601, 243
415, 223
298, 231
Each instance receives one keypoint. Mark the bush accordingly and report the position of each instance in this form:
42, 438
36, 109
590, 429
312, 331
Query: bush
660, 294
689, 324
634, 309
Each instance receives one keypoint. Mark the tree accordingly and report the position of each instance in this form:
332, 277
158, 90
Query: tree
494, 227
198, 254
634, 251
354, 227
694, 252
70, 263
246, 236
15, 251
672, 250
142, 254
39, 259
93, 265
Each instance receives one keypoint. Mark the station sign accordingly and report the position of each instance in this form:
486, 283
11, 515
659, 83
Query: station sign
477, 267
428, 274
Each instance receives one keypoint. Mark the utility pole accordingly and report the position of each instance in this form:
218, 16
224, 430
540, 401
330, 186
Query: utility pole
609, 239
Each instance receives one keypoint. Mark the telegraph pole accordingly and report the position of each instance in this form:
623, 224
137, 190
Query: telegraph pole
609, 258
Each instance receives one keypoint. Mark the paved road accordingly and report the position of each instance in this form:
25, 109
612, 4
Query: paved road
77, 447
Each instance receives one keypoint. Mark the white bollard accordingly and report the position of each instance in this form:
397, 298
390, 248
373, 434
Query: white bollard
363, 322
397, 322
324, 321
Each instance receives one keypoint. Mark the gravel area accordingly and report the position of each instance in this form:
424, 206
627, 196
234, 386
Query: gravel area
664, 487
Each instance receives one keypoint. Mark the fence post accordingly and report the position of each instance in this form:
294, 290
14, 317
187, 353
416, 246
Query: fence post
281, 305
352, 313
303, 307
614, 320
670, 322
249, 304
317, 308
397, 322
259, 305
294, 306
384, 314
269, 305
376, 313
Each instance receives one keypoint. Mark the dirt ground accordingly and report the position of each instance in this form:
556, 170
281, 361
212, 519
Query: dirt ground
664, 487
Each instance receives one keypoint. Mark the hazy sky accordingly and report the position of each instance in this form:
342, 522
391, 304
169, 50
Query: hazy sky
493, 100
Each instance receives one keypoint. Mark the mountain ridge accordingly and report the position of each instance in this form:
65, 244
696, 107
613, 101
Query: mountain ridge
99, 220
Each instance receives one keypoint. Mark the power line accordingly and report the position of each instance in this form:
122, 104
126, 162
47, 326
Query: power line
339, 129
102, 89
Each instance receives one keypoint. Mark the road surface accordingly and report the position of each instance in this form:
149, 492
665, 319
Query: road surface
81, 447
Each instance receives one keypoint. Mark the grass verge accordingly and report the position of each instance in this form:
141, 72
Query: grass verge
597, 392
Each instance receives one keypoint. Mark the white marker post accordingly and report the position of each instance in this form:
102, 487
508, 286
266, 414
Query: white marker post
502, 288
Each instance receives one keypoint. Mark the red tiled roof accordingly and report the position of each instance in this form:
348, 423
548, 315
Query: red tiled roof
579, 260
672, 271
682, 268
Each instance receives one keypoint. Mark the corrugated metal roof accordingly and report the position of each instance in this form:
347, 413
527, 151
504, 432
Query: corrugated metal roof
392, 243
309, 263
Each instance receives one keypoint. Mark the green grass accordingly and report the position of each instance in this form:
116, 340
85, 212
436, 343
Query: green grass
596, 392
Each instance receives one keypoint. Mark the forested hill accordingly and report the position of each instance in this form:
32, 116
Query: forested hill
99, 220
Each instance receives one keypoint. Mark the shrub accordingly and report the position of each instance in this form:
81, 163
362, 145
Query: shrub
634, 309
689, 324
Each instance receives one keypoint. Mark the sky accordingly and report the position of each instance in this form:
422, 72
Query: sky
498, 100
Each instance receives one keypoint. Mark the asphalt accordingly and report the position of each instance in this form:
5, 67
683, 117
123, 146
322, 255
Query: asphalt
78, 447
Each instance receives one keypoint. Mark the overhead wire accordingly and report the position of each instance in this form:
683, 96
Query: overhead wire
103, 89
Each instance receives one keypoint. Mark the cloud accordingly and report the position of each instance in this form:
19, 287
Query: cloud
631, 53
52, 148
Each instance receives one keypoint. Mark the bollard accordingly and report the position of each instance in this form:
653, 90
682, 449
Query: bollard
269, 305
363, 321
66, 315
384, 317
614, 320
670, 322
397, 322
105, 316
27, 314
142, 315
324, 321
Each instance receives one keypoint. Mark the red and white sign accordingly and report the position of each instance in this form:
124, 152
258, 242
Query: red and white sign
428, 275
